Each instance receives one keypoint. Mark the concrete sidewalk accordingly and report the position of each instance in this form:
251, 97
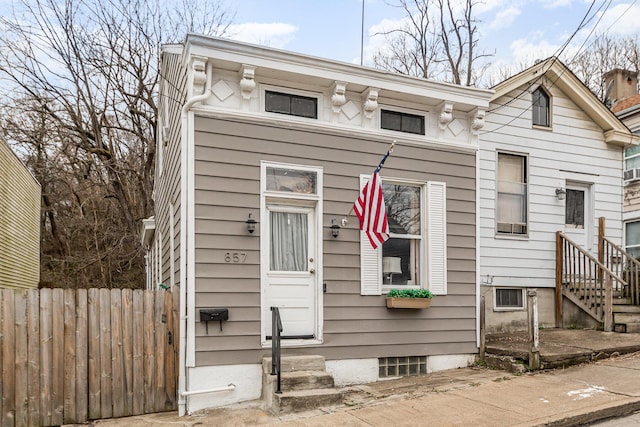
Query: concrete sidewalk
460, 397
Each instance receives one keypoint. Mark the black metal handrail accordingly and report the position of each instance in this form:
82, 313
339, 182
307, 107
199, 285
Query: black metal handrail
276, 329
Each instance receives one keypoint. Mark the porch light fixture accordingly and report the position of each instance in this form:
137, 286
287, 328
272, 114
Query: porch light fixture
561, 193
251, 223
335, 228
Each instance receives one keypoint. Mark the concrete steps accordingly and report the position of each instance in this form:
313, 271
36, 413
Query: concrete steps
305, 384
626, 318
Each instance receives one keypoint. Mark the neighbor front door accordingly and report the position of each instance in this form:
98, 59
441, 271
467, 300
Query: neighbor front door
579, 215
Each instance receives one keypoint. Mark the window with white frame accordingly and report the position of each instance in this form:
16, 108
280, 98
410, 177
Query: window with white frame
414, 256
511, 194
541, 107
402, 122
291, 104
401, 253
632, 159
632, 238
509, 298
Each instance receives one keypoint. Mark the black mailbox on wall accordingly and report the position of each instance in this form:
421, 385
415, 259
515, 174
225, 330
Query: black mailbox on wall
208, 314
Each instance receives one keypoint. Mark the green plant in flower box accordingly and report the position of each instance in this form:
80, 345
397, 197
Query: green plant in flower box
409, 293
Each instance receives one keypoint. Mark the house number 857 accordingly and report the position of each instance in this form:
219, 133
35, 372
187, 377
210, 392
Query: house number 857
235, 257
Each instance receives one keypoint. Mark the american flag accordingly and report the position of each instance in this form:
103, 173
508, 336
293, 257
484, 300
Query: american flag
371, 211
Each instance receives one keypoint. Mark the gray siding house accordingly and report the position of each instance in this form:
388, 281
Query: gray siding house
249, 133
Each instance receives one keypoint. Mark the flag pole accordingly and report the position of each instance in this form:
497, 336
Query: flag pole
345, 220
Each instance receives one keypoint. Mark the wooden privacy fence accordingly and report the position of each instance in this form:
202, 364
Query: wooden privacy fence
72, 355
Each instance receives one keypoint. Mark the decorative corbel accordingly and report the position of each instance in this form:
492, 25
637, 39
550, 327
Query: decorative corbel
370, 102
477, 122
199, 75
445, 117
247, 82
338, 99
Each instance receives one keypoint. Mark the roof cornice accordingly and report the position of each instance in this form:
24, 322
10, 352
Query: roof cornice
465, 98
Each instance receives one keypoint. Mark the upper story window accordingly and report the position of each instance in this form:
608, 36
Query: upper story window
512, 194
541, 107
402, 122
292, 105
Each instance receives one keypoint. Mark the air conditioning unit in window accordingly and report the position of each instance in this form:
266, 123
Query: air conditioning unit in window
631, 175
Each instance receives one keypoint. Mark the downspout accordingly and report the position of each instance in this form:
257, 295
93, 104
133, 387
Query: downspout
187, 139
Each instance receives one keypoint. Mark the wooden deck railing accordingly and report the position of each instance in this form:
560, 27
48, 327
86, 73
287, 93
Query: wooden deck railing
586, 281
625, 266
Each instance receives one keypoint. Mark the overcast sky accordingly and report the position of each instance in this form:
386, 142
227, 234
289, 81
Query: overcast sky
517, 31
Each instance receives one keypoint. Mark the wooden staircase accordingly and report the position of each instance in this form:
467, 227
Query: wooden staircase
606, 287
305, 385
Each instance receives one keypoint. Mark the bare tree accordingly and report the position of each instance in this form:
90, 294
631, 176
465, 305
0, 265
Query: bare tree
605, 53
438, 40
79, 104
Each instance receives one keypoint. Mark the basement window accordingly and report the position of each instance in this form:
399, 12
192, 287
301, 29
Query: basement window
509, 299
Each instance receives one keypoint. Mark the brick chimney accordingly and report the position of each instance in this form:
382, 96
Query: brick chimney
620, 84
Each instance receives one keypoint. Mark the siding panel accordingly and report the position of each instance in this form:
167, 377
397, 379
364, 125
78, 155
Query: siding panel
227, 172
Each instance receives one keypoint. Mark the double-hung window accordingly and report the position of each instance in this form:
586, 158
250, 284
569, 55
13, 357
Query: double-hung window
511, 204
414, 256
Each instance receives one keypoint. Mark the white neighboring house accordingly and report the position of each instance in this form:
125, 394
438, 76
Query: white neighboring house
625, 102
550, 160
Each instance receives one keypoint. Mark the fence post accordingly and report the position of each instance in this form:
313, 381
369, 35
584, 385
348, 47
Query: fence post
482, 328
608, 304
534, 340
559, 258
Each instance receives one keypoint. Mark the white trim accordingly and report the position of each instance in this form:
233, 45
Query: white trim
318, 96
292, 199
478, 216
437, 255
330, 128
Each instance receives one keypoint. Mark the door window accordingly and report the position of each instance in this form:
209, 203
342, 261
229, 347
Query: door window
574, 213
289, 241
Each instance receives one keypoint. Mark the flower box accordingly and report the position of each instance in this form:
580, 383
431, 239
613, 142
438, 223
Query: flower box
408, 302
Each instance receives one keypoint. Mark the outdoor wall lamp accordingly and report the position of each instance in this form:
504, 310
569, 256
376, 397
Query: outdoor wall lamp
251, 223
335, 228
561, 193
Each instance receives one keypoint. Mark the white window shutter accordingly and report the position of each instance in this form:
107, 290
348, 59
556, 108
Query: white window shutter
437, 236
370, 268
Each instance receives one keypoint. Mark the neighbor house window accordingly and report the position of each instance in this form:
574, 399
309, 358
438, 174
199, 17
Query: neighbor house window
509, 298
632, 238
574, 210
632, 163
512, 194
402, 122
540, 107
293, 105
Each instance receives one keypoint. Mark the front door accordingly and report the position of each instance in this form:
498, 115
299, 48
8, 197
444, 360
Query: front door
579, 215
290, 280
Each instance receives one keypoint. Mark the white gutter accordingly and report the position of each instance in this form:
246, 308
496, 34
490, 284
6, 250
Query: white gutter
478, 242
186, 257
230, 387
